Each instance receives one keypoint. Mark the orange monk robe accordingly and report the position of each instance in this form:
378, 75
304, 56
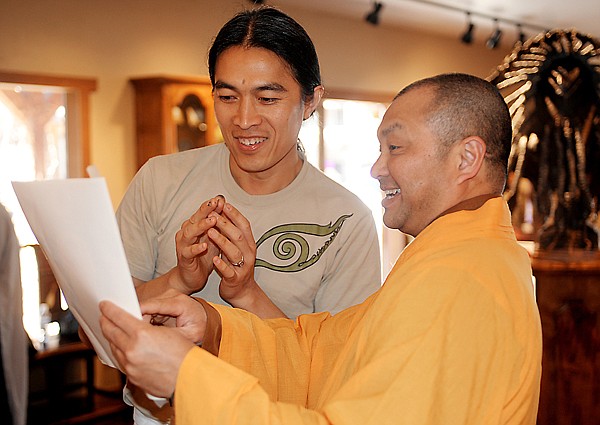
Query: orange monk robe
452, 337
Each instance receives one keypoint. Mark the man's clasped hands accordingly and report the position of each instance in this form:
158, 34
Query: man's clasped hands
216, 237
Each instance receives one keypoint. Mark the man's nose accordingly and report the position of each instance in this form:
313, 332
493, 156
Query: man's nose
379, 168
247, 114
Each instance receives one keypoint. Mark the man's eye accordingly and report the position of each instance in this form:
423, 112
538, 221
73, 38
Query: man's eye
394, 147
268, 99
226, 98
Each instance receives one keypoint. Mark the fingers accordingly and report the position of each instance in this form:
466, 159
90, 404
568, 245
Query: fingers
189, 243
229, 233
188, 239
171, 306
150, 356
117, 316
198, 222
188, 236
214, 204
187, 312
234, 236
226, 270
240, 222
116, 325
232, 249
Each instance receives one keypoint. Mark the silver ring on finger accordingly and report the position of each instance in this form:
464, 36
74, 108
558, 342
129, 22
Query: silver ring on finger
239, 263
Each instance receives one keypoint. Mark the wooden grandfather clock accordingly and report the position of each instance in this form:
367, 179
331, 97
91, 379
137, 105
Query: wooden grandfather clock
173, 114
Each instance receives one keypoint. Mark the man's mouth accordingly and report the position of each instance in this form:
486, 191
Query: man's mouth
251, 141
390, 193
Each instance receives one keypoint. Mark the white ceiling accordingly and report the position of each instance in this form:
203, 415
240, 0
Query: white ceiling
427, 15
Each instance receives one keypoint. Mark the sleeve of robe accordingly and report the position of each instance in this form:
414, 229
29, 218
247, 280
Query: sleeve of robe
434, 354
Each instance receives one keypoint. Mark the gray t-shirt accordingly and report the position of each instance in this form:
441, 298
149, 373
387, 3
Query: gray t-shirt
317, 244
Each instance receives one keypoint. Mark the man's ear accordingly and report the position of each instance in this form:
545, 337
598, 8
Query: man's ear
472, 154
311, 103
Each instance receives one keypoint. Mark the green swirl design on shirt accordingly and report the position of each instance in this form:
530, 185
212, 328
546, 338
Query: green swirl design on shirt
290, 244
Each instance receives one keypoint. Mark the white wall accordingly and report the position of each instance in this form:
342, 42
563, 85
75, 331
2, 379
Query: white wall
114, 40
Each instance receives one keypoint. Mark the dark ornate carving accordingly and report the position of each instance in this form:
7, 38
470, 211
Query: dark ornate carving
552, 86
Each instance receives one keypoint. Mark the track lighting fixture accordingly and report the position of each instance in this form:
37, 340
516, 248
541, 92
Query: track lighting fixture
373, 16
467, 37
494, 39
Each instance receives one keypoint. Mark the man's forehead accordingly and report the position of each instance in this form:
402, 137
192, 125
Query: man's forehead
416, 101
392, 119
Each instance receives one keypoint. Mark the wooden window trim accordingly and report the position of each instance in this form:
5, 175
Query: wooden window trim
78, 119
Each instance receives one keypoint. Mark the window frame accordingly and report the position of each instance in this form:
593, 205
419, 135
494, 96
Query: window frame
78, 92
346, 94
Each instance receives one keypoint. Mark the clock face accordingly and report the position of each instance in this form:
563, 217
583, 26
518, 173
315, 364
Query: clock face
190, 118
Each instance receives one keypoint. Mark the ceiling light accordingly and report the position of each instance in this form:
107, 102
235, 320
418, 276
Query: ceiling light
467, 37
373, 17
494, 39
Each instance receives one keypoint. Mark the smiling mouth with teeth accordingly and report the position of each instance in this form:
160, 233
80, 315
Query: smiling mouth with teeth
391, 193
251, 142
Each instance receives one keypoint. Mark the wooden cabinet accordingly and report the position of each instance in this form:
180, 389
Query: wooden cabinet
173, 114
568, 296
62, 387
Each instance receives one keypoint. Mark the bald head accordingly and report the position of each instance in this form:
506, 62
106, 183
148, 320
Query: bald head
464, 105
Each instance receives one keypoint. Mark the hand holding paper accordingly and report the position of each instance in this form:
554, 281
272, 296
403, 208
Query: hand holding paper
75, 225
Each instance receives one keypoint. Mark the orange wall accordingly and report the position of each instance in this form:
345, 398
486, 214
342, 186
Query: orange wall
114, 40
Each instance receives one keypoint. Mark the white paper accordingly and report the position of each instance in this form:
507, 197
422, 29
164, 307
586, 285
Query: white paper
74, 223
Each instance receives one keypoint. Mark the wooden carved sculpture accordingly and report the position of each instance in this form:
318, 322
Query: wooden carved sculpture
551, 84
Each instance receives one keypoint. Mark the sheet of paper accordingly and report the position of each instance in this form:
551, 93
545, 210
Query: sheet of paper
74, 223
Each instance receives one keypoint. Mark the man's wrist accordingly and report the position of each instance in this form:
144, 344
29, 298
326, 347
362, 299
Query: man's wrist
247, 298
256, 301
175, 281
211, 340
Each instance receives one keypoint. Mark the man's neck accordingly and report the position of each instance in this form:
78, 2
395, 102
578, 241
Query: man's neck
470, 204
265, 182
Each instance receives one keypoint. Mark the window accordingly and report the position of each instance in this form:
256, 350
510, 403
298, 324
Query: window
341, 140
43, 135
